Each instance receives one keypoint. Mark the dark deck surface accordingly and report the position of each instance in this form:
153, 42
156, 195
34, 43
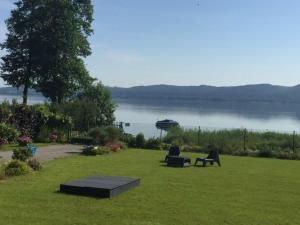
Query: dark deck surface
100, 186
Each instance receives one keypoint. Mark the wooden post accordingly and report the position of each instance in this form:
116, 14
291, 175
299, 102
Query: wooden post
294, 147
199, 130
160, 134
245, 134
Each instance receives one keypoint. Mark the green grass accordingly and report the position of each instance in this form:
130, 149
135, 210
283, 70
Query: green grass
243, 191
10, 147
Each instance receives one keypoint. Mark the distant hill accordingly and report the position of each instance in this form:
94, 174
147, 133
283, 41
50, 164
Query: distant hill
15, 91
260, 93
249, 93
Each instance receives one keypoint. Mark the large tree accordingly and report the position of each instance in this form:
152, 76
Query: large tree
46, 43
63, 45
18, 66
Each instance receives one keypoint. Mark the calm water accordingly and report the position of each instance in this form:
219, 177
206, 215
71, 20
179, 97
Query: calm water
207, 115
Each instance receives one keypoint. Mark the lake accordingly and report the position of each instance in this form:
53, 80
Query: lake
207, 115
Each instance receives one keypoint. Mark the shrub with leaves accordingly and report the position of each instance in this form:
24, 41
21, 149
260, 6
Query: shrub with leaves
34, 163
8, 132
16, 168
95, 150
28, 119
153, 143
140, 140
22, 154
103, 135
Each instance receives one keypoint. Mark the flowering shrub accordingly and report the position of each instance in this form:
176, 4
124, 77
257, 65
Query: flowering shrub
3, 141
53, 137
24, 140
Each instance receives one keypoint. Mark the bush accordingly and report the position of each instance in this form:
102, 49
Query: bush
16, 168
191, 148
266, 153
8, 132
113, 133
91, 150
28, 119
3, 141
34, 164
82, 140
129, 139
115, 146
53, 137
140, 140
103, 135
152, 143
22, 154
43, 135
99, 135
24, 140
102, 151
2, 173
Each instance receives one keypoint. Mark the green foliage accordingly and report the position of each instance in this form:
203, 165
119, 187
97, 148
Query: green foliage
19, 65
34, 164
28, 119
103, 135
129, 139
153, 143
82, 140
91, 107
43, 135
140, 140
22, 154
63, 44
16, 168
102, 107
268, 144
45, 47
99, 135
5, 112
36, 121
93, 151
8, 132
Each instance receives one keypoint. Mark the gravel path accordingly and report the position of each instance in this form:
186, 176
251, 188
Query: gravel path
49, 152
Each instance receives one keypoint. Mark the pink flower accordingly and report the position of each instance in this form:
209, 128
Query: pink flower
53, 137
24, 140
3, 141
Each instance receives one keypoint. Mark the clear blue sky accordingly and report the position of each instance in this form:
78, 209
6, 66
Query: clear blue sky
190, 42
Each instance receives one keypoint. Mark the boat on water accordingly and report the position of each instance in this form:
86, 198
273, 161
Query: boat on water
166, 124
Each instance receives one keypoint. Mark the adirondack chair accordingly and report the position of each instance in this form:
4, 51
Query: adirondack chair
212, 157
173, 151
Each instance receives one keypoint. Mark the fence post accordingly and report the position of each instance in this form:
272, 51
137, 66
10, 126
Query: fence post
294, 134
245, 134
199, 130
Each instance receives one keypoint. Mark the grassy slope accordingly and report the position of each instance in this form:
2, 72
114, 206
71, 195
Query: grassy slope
243, 191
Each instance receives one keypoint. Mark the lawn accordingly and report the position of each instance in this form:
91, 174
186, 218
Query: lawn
10, 147
243, 191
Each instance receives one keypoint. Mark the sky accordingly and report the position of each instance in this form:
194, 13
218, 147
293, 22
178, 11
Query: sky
192, 42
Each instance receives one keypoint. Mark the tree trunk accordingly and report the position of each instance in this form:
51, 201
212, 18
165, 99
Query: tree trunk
25, 93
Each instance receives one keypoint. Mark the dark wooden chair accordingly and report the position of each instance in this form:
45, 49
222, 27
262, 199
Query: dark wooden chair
173, 151
212, 157
178, 161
